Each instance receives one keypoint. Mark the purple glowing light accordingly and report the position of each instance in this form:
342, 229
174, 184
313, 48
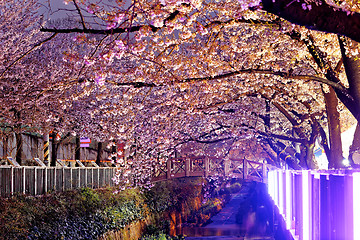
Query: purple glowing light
356, 205
281, 192
271, 183
306, 205
288, 192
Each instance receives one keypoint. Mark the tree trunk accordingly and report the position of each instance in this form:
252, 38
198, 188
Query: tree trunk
284, 153
5, 146
310, 159
19, 144
77, 149
336, 156
54, 148
303, 156
99, 153
267, 117
114, 152
355, 148
324, 142
352, 69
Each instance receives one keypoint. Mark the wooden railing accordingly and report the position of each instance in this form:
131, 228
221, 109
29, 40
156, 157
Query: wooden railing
210, 166
35, 180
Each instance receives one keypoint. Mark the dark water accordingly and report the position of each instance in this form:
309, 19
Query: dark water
234, 232
223, 226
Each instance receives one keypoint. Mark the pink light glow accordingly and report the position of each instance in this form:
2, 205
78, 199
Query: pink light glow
356, 206
306, 206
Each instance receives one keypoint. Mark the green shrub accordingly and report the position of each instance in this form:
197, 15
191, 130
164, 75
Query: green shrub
236, 187
88, 213
121, 215
75, 214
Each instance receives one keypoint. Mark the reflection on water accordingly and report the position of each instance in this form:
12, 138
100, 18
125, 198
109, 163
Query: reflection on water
229, 230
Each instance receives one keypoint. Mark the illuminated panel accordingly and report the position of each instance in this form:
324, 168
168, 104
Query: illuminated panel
305, 206
288, 199
281, 193
271, 183
276, 188
356, 205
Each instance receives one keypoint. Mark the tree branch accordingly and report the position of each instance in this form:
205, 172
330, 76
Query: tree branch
286, 75
26, 53
81, 16
321, 16
282, 137
274, 23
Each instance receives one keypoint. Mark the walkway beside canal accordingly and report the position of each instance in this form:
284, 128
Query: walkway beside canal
235, 220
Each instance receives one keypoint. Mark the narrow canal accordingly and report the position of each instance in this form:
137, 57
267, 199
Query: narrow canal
248, 215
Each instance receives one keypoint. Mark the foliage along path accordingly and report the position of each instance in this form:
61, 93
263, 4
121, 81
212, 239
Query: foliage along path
225, 225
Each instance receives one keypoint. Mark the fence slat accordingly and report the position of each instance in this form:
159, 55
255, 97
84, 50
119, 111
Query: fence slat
36, 180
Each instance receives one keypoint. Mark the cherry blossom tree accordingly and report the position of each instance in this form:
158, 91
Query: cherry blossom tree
185, 41
161, 74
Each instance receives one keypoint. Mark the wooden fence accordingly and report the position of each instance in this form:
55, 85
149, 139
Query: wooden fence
35, 180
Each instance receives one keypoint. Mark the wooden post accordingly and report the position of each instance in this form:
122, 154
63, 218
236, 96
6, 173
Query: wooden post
35, 181
264, 172
63, 179
168, 165
86, 170
77, 151
46, 149
45, 180
207, 166
187, 166
24, 182
245, 169
79, 177
12, 182
54, 180
92, 177
98, 170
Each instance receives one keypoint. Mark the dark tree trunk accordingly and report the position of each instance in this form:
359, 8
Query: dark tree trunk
285, 154
19, 144
114, 152
77, 149
99, 153
336, 156
355, 148
324, 142
352, 69
267, 117
54, 148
